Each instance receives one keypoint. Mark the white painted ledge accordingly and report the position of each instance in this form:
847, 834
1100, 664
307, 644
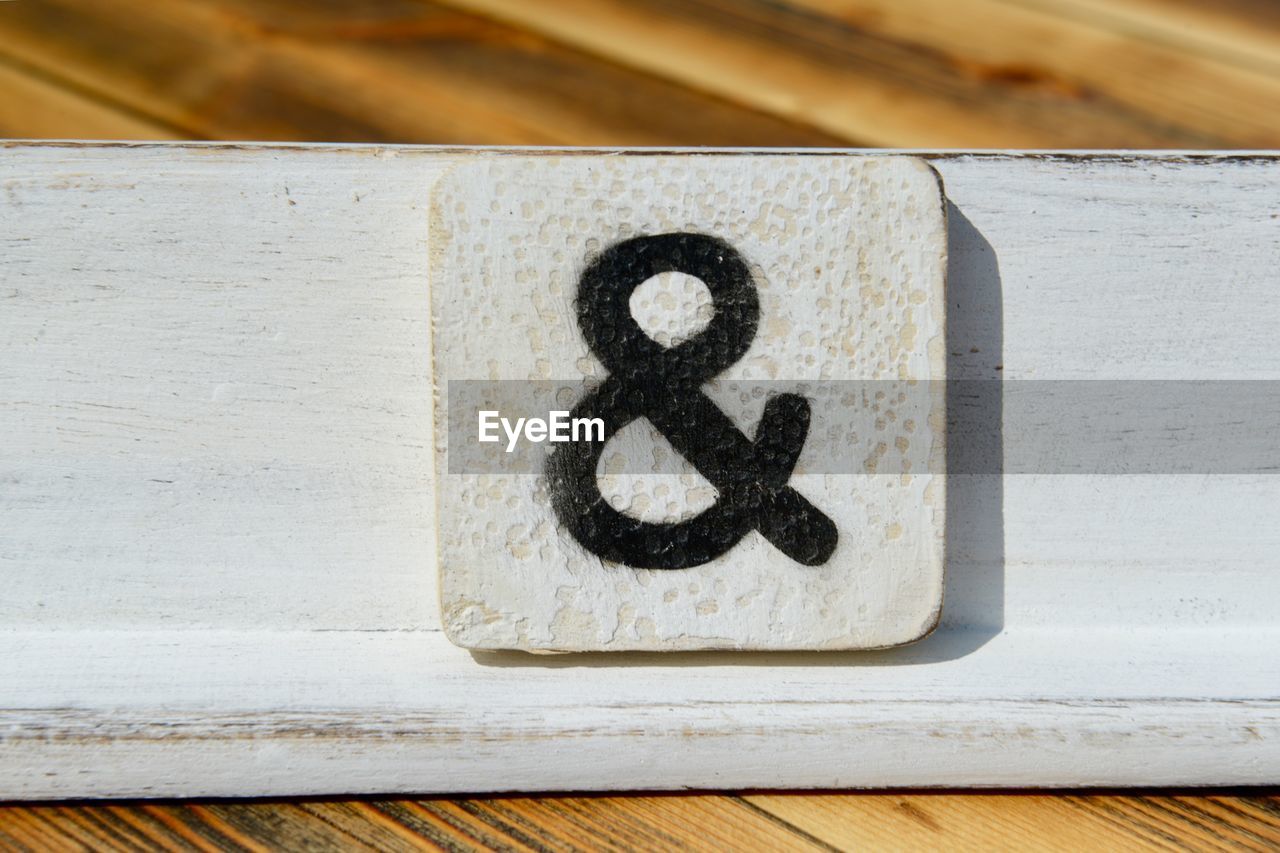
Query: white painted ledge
216, 512
230, 713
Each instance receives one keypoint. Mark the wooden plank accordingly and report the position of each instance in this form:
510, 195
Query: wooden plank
216, 530
641, 822
1092, 57
533, 823
352, 222
1064, 822
891, 73
1245, 33
182, 713
35, 107
404, 72
918, 74
208, 305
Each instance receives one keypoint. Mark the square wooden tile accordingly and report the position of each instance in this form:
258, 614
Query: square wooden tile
759, 342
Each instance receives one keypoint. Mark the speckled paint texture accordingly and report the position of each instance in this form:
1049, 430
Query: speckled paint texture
848, 254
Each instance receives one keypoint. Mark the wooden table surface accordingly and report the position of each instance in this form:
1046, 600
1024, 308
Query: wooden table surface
894, 73
772, 821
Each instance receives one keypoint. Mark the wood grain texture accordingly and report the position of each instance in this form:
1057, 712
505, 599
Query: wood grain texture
820, 822
525, 823
1245, 33
1000, 73
35, 107
1066, 822
399, 72
917, 74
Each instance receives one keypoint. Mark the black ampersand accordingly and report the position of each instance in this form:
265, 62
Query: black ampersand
663, 385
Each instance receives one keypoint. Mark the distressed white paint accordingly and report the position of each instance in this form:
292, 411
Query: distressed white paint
265, 623
848, 257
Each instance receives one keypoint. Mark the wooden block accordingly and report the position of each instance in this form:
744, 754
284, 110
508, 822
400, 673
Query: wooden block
744, 357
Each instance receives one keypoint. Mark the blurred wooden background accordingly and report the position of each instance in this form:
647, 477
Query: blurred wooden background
896, 73
903, 73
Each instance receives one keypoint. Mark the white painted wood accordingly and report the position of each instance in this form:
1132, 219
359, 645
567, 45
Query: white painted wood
252, 712
846, 258
265, 622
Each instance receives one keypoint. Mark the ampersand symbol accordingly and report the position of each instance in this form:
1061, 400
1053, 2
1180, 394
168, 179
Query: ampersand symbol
664, 385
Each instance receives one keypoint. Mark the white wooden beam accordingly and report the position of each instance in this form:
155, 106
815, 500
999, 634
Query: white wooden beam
216, 512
